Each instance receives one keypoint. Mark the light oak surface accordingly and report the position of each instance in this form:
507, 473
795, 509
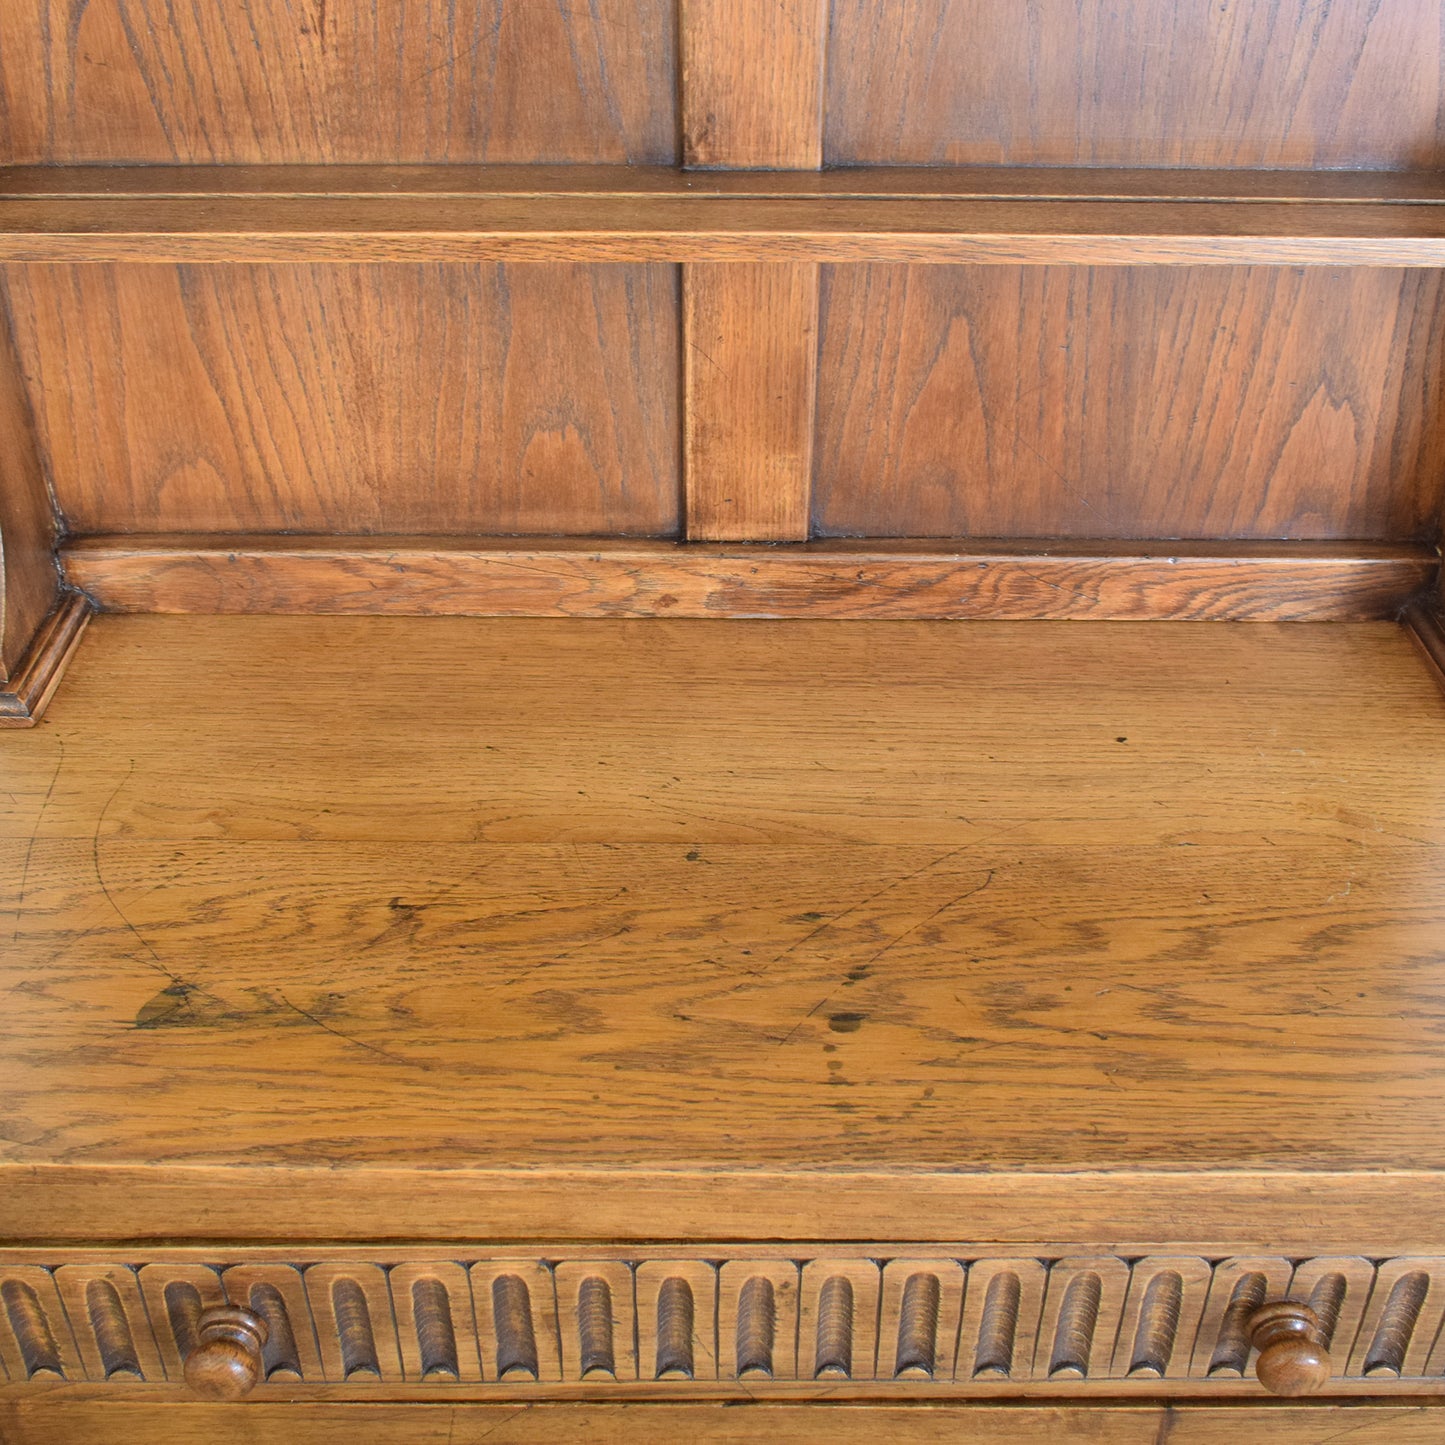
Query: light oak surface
405, 1007
996, 908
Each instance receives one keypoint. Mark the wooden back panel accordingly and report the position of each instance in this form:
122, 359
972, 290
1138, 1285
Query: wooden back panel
772, 400
1121, 402
402, 398
275, 81
1257, 402
1308, 83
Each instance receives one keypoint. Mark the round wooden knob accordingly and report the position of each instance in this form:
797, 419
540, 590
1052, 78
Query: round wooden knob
1293, 1356
226, 1362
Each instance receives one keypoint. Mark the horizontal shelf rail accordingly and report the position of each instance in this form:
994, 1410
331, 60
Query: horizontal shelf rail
856, 578
354, 213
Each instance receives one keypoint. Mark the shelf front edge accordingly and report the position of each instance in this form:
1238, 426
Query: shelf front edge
671, 227
551, 577
1285, 1210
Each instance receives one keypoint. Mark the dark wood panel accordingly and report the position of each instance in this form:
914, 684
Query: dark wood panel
1130, 403
337, 81
1136, 82
537, 577
389, 398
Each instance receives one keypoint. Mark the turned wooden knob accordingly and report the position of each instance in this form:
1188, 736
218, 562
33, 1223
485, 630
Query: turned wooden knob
1294, 1358
226, 1362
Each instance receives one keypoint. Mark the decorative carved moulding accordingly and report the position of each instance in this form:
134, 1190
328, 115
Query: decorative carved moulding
778, 1320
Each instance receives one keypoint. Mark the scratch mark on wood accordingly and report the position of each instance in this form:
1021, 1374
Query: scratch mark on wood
105, 887
35, 833
348, 1038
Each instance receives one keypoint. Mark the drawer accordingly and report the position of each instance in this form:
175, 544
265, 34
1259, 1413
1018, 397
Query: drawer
791, 1321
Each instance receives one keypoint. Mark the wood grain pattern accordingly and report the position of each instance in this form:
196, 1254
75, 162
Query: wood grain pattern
29, 576
750, 355
62, 1422
472, 399
872, 892
752, 83
735, 225
1349, 83
1036, 401
150, 81
540, 577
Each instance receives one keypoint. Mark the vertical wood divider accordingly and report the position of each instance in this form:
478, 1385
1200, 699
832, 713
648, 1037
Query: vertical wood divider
752, 98
749, 393
752, 83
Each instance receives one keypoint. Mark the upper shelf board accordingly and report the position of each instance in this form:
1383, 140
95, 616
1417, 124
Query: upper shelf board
1081, 216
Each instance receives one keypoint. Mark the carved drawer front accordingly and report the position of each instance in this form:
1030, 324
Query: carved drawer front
1402, 1333
838, 1319
436, 1324
597, 1319
788, 1320
517, 1320
758, 1319
1163, 1308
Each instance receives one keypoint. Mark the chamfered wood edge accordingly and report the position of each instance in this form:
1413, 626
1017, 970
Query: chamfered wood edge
1425, 622
928, 580
30, 690
1297, 1212
44, 1418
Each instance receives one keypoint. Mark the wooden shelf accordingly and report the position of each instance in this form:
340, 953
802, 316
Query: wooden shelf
367, 928
360, 213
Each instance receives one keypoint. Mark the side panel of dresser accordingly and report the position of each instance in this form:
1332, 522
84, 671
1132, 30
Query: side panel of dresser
39, 623
1425, 619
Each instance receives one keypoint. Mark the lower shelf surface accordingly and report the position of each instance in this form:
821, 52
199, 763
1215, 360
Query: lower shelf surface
548, 930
